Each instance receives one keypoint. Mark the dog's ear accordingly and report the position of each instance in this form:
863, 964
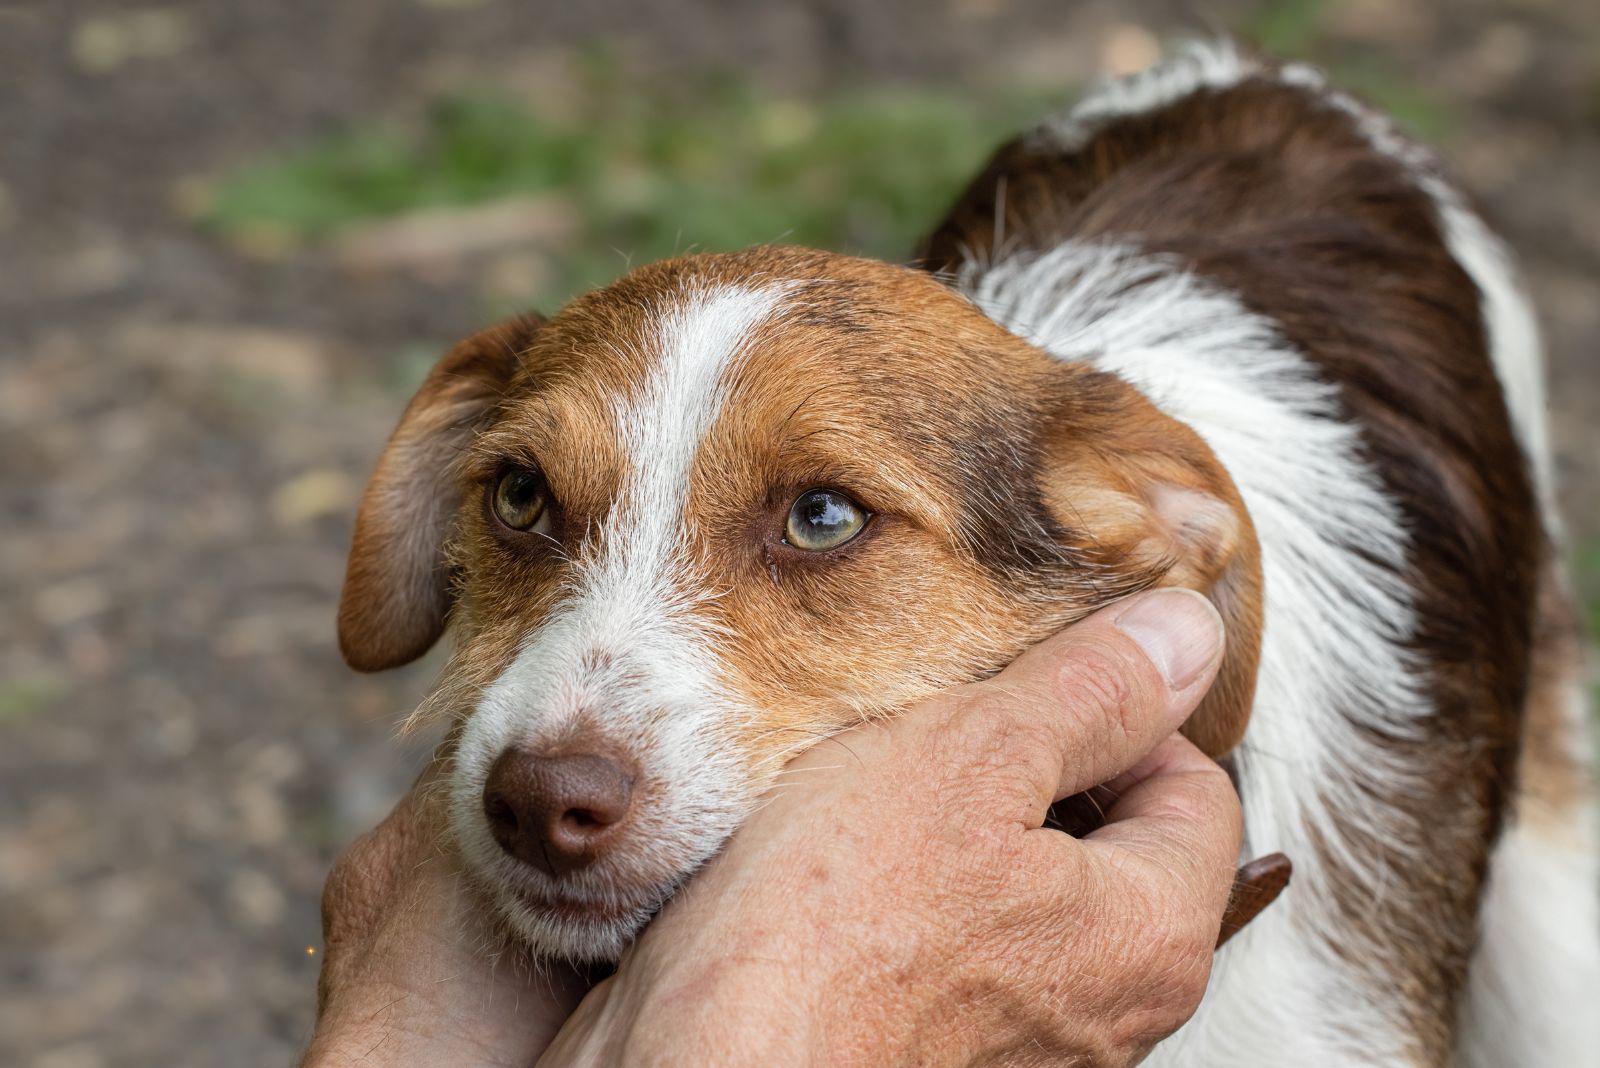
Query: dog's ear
1142, 495
397, 586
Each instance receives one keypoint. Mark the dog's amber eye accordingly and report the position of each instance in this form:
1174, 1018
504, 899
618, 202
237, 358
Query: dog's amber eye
823, 519
521, 499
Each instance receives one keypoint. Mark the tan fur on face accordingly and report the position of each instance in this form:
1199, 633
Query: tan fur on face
879, 382
1010, 494
883, 384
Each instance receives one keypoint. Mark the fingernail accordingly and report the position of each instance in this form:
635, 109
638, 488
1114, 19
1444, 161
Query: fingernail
1178, 629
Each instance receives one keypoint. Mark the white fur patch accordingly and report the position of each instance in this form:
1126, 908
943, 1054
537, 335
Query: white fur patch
1331, 621
621, 656
1331, 666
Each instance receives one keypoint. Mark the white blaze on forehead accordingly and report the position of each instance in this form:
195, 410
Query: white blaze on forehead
629, 598
621, 654
696, 344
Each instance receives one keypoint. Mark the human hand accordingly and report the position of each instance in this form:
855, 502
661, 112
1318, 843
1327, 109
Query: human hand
1099, 947
413, 972
898, 901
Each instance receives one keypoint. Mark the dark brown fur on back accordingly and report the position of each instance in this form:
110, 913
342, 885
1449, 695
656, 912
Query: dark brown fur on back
1274, 195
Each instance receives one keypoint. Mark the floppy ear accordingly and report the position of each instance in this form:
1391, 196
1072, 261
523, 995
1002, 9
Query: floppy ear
396, 585
1144, 495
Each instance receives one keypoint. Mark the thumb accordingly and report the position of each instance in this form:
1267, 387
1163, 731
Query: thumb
1091, 702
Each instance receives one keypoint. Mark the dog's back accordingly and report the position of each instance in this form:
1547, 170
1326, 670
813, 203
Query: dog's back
1275, 266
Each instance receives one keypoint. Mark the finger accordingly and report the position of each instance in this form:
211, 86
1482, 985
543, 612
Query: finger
1178, 811
1083, 706
1255, 886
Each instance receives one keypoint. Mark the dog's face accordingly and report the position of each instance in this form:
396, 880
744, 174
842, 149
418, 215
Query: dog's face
726, 507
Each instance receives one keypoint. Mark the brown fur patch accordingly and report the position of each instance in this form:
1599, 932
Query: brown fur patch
1276, 197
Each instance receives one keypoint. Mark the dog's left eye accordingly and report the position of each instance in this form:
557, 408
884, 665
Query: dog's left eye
521, 500
823, 519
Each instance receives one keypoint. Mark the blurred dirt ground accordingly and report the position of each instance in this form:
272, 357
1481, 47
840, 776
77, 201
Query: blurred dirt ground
185, 423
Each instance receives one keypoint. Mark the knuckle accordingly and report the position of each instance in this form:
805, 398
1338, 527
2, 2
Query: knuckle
342, 889
984, 868
1188, 987
988, 735
1209, 776
1169, 926
1219, 801
1177, 993
960, 716
1174, 946
1007, 749
1217, 783
1169, 972
1159, 1010
947, 725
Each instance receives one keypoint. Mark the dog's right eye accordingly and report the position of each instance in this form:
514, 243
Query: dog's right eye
522, 500
823, 519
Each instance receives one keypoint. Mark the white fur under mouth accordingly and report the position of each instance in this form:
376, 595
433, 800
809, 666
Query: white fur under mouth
590, 916
571, 928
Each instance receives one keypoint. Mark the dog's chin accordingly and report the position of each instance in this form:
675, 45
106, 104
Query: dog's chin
578, 931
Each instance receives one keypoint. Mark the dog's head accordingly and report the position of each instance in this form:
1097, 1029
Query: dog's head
730, 505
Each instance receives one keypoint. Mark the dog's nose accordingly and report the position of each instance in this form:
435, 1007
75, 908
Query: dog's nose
555, 812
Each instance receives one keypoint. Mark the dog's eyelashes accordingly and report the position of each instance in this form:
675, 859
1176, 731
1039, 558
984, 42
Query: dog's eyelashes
522, 501
823, 519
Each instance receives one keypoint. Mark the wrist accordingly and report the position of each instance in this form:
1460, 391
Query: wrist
350, 1034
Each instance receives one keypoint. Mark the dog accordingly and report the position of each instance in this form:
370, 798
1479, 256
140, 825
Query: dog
1218, 326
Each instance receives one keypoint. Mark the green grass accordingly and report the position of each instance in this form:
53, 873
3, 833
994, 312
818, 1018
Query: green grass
1286, 27
21, 699
711, 165
1416, 108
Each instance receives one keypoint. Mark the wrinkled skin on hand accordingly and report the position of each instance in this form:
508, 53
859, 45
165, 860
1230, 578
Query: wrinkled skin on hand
897, 901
